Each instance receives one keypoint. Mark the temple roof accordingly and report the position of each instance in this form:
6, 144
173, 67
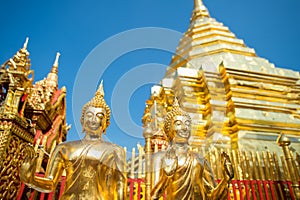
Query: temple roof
20, 61
43, 90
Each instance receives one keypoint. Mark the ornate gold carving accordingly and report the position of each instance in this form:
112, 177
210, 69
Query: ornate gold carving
9, 175
21, 106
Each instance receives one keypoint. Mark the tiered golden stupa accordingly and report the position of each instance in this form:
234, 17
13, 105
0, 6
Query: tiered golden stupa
30, 114
236, 99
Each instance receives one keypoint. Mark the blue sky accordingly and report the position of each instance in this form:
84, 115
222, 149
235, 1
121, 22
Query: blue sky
78, 28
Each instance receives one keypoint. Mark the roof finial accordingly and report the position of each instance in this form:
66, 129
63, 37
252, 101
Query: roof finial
56, 59
25, 43
52, 77
199, 10
55, 64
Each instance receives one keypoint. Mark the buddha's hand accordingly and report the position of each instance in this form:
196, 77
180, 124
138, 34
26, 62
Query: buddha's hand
227, 168
170, 162
27, 169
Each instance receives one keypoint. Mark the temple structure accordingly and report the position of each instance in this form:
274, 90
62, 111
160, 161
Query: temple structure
30, 114
236, 99
238, 102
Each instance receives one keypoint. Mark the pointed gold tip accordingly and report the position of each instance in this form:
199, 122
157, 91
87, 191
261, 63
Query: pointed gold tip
283, 140
25, 43
197, 4
175, 102
100, 90
199, 9
55, 64
56, 59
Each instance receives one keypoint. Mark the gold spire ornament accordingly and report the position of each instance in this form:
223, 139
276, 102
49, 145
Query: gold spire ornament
55, 64
25, 43
200, 9
20, 61
52, 77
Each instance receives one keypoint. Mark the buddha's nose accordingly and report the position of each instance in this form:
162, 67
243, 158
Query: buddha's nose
94, 119
185, 127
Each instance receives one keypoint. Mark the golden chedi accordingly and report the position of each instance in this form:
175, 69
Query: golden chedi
236, 99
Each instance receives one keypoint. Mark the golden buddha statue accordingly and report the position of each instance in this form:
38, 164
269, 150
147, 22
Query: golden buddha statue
94, 168
181, 173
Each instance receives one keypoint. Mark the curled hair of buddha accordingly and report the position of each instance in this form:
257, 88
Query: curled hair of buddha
98, 102
176, 111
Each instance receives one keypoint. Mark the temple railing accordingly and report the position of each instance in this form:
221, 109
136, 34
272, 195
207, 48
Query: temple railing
239, 189
258, 175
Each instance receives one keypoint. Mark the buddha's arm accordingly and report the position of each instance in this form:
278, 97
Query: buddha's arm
160, 186
121, 176
221, 190
52, 176
165, 166
121, 186
156, 167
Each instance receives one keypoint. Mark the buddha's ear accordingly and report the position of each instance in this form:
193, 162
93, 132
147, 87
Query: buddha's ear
104, 125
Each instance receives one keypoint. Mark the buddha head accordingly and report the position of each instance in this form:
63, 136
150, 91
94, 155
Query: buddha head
95, 116
177, 124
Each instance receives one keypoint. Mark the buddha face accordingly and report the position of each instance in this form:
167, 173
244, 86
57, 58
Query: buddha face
181, 127
94, 120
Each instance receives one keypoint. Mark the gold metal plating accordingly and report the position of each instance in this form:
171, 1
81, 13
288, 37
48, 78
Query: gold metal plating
182, 173
94, 168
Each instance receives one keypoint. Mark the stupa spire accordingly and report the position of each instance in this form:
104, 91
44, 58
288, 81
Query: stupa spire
20, 60
55, 64
199, 10
25, 43
52, 78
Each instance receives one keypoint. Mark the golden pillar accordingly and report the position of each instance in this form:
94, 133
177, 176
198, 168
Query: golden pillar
284, 142
147, 135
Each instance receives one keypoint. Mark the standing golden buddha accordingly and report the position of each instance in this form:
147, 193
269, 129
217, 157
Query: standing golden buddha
94, 168
181, 173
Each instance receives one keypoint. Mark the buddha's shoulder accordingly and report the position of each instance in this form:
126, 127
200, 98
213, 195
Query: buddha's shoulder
158, 155
70, 144
118, 149
68, 147
112, 147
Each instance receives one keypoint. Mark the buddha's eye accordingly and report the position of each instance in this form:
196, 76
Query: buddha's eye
187, 123
89, 114
100, 115
177, 123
